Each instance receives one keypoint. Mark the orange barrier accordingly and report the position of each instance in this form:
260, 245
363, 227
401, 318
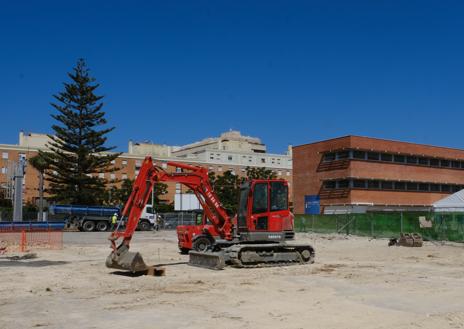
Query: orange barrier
24, 240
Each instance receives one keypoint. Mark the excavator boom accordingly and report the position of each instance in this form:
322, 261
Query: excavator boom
195, 178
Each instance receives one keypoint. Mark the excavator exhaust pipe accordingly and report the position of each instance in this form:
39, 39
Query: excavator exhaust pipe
123, 259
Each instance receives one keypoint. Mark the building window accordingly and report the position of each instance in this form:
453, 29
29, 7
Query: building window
398, 158
263, 160
4, 155
386, 157
455, 188
411, 160
4, 170
359, 183
423, 161
124, 162
219, 168
444, 163
279, 173
343, 155
359, 155
330, 184
112, 176
22, 156
113, 162
124, 176
387, 185
435, 187
164, 165
138, 163
229, 157
423, 187
101, 175
411, 186
329, 157
445, 188
343, 183
373, 156
391, 185
400, 186
434, 162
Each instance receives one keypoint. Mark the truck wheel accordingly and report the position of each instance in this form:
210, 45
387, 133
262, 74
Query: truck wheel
202, 243
102, 226
144, 226
88, 226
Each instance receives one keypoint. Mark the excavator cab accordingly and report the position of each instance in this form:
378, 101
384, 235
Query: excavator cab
263, 213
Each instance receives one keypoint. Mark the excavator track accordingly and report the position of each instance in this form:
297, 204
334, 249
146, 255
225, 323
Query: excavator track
270, 255
254, 256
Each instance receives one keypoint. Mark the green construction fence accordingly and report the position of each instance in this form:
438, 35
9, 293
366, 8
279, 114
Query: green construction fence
432, 226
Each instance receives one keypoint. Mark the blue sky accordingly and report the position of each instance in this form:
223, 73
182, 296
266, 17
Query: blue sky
289, 72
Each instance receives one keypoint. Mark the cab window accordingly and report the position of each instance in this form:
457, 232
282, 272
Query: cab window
149, 210
279, 196
260, 198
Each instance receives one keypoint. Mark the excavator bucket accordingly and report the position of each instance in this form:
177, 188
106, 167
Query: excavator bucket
123, 259
207, 259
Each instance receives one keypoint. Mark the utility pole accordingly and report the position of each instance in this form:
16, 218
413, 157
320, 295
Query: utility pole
18, 191
41, 190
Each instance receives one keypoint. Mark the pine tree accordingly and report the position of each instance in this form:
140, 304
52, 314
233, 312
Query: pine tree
77, 149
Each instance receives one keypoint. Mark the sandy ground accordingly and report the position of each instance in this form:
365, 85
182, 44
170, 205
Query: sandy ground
355, 283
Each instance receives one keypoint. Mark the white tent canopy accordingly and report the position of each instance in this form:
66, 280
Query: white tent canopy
452, 203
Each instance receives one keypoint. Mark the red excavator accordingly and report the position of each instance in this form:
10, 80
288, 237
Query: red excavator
254, 237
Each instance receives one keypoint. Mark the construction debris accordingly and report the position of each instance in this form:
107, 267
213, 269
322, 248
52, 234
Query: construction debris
407, 240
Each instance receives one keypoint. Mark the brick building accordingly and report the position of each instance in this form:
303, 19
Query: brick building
358, 174
231, 151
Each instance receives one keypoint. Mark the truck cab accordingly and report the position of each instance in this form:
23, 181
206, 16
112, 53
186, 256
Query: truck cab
148, 219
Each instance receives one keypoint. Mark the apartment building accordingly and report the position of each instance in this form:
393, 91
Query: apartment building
230, 151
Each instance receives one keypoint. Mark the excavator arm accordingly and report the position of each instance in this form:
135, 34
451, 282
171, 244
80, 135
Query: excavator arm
194, 177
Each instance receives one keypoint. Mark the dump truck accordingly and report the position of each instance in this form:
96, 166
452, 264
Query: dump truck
257, 236
98, 218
